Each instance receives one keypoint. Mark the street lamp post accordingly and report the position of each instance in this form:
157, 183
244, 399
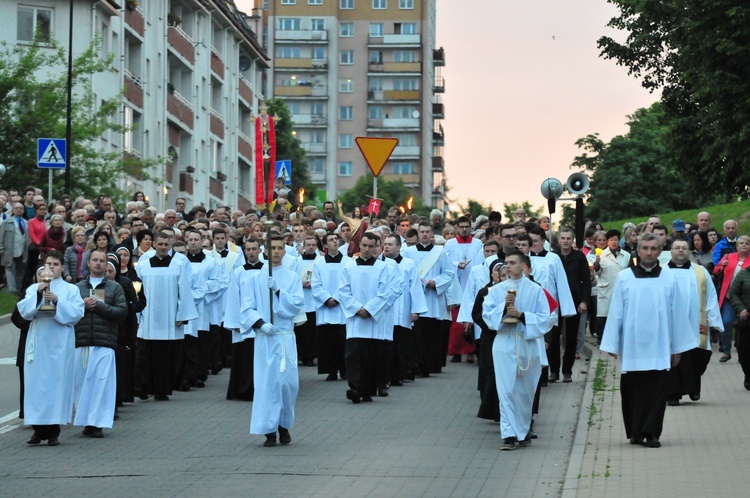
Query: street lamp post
68, 129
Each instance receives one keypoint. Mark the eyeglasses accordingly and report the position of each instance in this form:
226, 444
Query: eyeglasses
464, 227
510, 236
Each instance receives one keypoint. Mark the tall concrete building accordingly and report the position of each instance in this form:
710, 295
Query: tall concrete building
191, 71
349, 68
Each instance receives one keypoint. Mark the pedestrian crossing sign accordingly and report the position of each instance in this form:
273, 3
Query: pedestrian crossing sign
284, 170
51, 153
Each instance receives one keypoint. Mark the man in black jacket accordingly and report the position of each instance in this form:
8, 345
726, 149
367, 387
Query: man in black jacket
579, 280
96, 340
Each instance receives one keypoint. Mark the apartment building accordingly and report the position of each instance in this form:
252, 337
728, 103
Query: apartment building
349, 68
191, 71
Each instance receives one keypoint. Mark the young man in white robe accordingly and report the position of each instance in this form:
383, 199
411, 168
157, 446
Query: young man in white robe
436, 273
96, 341
305, 332
50, 353
276, 376
647, 329
330, 319
463, 250
364, 295
219, 340
702, 307
521, 318
170, 305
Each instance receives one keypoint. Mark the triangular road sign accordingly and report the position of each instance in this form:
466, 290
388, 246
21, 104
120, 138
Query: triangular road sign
376, 151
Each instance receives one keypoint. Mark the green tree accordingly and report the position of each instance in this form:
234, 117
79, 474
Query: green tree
32, 108
289, 147
531, 211
634, 174
393, 193
696, 53
474, 208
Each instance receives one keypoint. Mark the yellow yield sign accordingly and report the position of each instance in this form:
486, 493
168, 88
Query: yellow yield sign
376, 151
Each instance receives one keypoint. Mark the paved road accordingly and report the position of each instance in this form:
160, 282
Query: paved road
423, 440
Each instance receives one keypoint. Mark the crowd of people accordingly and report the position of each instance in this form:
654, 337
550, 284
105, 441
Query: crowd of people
117, 304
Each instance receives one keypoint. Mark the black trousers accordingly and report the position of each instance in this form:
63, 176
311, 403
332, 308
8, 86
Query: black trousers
432, 344
360, 356
644, 401
158, 365
331, 341
383, 350
685, 378
192, 356
742, 343
571, 343
215, 347
47, 431
400, 357
241, 386
305, 338
124, 364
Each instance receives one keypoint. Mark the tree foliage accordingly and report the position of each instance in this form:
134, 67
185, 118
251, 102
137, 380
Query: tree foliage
531, 211
34, 106
474, 208
697, 53
393, 193
634, 174
289, 147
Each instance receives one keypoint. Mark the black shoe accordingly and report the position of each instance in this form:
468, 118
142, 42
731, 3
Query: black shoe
184, 386
397, 383
161, 397
284, 436
216, 368
35, 439
509, 443
331, 377
652, 442
342, 375
673, 402
525, 441
353, 395
747, 384
382, 392
140, 394
725, 358
53, 441
695, 396
553, 378
200, 384
270, 440
637, 440
456, 358
96, 433
87, 430
367, 398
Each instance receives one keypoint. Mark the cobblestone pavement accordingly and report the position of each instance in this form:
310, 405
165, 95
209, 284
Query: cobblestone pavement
423, 440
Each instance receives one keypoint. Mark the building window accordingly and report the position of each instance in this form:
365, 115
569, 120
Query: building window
318, 24
316, 166
404, 169
375, 85
345, 168
346, 4
379, 4
318, 54
346, 85
345, 141
318, 137
404, 56
405, 28
406, 84
215, 158
345, 113
404, 112
288, 24
376, 29
314, 2
346, 57
375, 112
317, 109
287, 53
405, 4
288, 2
346, 29
375, 57
34, 21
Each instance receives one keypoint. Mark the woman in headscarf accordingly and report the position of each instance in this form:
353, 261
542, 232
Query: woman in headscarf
489, 407
125, 257
125, 352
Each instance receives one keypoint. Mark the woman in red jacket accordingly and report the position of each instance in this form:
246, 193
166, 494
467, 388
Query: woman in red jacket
729, 266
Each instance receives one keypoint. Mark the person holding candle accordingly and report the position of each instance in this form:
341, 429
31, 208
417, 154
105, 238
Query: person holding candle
611, 261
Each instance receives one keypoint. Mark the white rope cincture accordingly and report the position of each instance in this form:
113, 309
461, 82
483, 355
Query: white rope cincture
519, 361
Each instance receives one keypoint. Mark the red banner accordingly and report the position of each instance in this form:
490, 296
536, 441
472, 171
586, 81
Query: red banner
259, 175
272, 161
374, 207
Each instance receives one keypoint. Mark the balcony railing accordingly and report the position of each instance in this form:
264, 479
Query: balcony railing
300, 91
393, 123
395, 67
438, 164
438, 56
301, 63
394, 39
406, 151
309, 119
314, 148
439, 86
302, 35
438, 111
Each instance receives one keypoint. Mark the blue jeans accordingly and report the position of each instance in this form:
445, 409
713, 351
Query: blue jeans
727, 316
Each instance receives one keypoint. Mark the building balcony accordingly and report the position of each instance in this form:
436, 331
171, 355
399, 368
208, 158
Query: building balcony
406, 151
216, 123
300, 91
412, 180
395, 67
217, 64
394, 123
181, 43
394, 95
246, 93
309, 120
438, 56
438, 111
438, 136
244, 146
179, 107
438, 164
133, 89
134, 19
314, 149
439, 86
394, 40
301, 64
301, 35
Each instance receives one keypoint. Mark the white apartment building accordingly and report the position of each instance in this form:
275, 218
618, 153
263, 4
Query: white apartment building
350, 68
191, 71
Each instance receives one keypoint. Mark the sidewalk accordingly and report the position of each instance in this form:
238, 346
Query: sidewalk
705, 444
